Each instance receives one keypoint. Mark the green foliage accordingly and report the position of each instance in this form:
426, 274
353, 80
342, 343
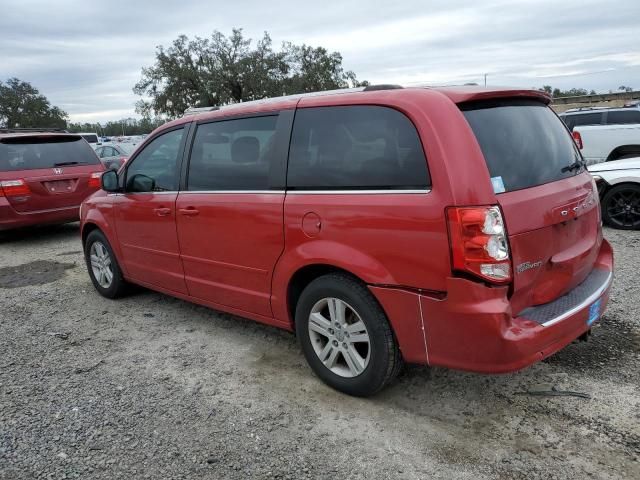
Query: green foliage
128, 126
574, 92
22, 105
220, 70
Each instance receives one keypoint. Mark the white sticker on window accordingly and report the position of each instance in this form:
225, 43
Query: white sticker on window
498, 184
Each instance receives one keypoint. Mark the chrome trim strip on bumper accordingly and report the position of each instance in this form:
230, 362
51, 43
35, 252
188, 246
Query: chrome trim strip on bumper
587, 301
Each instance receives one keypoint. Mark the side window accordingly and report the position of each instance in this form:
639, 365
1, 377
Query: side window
355, 147
587, 119
232, 154
621, 117
158, 161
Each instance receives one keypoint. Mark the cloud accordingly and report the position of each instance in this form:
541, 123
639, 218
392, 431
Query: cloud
86, 56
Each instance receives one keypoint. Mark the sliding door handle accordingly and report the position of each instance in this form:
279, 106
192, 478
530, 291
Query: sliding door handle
162, 211
189, 212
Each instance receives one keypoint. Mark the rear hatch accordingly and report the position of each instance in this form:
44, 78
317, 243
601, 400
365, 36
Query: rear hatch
549, 202
47, 172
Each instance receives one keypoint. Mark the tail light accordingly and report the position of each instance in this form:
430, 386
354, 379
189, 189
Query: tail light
14, 188
578, 139
94, 180
479, 243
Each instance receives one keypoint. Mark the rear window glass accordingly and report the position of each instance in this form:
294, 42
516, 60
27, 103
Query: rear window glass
32, 153
355, 147
523, 142
577, 120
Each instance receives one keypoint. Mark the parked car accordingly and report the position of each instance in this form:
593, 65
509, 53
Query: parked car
619, 188
605, 134
92, 139
114, 156
44, 176
454, 227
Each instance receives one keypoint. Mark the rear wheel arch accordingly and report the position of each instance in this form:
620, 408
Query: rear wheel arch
624, 151
304, 276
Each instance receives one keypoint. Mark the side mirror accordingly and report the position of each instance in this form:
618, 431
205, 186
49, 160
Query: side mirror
109, 181
141, 183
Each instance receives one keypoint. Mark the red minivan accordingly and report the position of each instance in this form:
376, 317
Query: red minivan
454, 227
44, 176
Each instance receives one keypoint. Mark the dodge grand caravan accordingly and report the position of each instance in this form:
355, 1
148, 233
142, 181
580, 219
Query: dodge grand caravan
455, 227
44, 176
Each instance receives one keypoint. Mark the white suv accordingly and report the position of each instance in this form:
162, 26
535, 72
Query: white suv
605, 134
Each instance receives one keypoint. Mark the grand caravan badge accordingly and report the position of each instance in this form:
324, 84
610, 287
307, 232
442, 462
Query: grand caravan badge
523, 267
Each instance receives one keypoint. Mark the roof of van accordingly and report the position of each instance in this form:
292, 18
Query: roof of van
28, 132
457, 94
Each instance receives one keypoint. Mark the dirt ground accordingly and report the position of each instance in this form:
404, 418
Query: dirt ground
153, 387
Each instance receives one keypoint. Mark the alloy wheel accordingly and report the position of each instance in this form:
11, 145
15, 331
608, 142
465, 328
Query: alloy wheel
623, 208
339, 337
101, 264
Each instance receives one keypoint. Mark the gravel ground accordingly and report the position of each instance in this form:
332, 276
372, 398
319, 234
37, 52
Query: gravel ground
153, 387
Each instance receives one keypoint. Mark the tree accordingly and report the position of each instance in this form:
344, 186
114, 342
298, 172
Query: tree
126, 126
622, 88
22, 105
220, 70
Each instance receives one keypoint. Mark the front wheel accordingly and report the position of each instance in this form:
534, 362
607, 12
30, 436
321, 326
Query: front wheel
345, 335
621, 207
103, 267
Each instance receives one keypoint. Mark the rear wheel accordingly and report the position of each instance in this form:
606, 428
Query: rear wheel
103, 267
345, 335
621, 207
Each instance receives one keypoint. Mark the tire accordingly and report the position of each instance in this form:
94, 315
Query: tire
621, 207
376, 361
98, 246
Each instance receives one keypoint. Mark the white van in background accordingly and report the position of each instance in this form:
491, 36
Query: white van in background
92, 139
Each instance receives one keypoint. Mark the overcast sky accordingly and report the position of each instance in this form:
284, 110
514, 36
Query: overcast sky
85, 56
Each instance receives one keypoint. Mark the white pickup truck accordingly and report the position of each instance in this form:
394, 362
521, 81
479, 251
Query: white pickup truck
605, 134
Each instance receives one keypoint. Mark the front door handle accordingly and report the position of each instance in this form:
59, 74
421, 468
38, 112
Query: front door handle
162, 211
189, 212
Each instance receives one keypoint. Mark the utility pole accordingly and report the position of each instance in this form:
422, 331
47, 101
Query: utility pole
485, 79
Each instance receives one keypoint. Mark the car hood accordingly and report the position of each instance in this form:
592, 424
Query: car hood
626, 164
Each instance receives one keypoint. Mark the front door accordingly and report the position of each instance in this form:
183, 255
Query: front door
229, 220
146, 214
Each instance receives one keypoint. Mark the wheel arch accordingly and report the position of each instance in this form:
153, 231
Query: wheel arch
302, 277
622, 150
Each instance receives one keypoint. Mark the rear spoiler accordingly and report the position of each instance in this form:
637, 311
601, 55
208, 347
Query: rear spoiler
474, 94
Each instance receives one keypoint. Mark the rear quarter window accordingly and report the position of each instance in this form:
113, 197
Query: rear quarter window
523, 142
355, 147
579, 119
621, 117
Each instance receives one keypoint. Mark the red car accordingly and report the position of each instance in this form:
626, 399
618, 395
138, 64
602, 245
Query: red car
44, 176
454, 227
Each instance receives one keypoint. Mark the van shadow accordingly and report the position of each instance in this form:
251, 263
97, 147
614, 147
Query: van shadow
32, 236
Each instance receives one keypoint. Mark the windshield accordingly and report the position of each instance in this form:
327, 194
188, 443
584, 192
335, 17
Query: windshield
524, 143
90, 137
32, 153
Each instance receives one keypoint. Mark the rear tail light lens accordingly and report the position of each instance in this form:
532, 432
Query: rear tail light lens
14, 188
479, 243
94, 179
578, 139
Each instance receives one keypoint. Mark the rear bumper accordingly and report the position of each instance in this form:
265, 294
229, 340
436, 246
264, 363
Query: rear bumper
473, 327
10, 219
